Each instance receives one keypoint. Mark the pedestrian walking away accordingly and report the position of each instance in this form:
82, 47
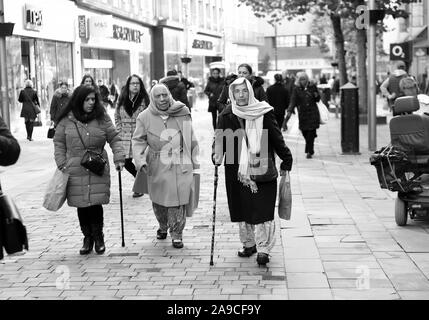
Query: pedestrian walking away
213, 90
250, 171
30, 107
245, 71
176, 87
59, 101
165, 129
132, 101
85, 125
278, 98
305, 97
390, 87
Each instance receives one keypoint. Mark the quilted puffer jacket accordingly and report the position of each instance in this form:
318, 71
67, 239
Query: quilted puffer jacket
85, 188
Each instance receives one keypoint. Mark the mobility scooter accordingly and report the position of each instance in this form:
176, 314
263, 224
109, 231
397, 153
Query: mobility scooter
403, 166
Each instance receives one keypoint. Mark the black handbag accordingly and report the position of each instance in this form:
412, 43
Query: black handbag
92, 160
13, 234
51, 133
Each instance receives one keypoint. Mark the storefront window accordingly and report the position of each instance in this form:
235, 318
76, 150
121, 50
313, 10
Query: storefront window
164, 9
201, 13
144, 68
172, 61
176, 9
15, 74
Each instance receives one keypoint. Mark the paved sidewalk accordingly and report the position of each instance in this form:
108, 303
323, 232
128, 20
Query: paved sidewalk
342, 230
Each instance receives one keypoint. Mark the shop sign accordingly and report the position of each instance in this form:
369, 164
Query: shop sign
202, 44
83, 30
127, 34
33, 18
101, 26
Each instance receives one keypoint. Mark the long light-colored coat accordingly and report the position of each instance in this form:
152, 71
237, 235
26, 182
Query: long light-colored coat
169, 179
84, 188
126, 126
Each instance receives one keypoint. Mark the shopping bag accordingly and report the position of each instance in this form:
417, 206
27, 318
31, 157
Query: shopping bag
56, 191
323, 112
141, 183
12, 230
194, 196
285, 197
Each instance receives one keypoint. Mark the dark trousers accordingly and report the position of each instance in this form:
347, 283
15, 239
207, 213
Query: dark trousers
29, 125
130, 167
280, 118
309, 136
214, 118
90, 215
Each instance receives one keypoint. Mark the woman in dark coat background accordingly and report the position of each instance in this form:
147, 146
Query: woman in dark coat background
59, 101
245, 71
278, 97
213, 90
250, 203
85, 118
305, 97
28, 97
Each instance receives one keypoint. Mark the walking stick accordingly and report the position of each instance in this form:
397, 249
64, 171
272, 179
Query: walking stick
216, 177
122, 209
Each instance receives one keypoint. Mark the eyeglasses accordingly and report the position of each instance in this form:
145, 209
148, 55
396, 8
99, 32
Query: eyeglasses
134, 83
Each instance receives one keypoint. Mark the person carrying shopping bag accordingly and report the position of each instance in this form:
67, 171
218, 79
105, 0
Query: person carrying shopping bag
250, 171
83, 129
133, 100
305, 97
165, 129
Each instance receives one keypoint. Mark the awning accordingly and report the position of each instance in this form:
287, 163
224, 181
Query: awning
416, 33
421, 44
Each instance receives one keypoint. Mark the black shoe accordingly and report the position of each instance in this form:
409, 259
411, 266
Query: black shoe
137, 195
262, 259
97, 234
161, 235
178, 244
88, 241
309, 156
247, 252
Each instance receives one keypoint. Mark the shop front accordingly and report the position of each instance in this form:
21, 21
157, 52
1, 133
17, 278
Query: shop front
40, 49
202, 50
112, 48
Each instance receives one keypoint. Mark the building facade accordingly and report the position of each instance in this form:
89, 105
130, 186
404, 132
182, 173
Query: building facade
40, 49
289, 47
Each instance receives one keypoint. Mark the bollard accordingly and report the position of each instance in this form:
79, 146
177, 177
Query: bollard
349, 119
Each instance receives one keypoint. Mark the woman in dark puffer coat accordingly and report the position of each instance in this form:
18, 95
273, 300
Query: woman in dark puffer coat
305, 96
213, 90
86, 118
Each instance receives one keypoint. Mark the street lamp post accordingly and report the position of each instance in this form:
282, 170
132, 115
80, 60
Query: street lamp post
3, 71
372, 99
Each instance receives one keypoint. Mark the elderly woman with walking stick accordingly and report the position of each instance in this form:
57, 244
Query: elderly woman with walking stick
165, 129
250, 171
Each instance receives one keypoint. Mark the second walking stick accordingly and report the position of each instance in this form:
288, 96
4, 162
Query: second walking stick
122, 208
214, 212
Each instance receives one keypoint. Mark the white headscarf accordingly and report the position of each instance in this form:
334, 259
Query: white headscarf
253, 113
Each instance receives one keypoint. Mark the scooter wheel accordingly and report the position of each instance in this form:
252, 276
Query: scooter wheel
401, 212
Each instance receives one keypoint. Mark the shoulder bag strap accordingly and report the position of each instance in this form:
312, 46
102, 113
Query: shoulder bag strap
80, 137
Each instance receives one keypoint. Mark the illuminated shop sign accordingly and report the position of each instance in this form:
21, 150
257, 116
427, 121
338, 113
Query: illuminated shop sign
33, 18
202, 44
127, 34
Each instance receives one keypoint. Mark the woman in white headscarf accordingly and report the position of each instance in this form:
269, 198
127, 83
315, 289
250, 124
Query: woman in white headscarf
250, 171
165, 128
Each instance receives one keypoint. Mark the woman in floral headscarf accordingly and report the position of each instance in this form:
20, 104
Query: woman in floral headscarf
250, 173
165, 128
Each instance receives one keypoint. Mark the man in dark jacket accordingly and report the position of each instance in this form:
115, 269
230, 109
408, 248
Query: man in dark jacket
9, 147
59, 101
213, 90
176, 87
188, 84
278, 98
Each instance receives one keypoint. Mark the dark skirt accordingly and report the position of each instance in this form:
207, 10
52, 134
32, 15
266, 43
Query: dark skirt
252, 208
